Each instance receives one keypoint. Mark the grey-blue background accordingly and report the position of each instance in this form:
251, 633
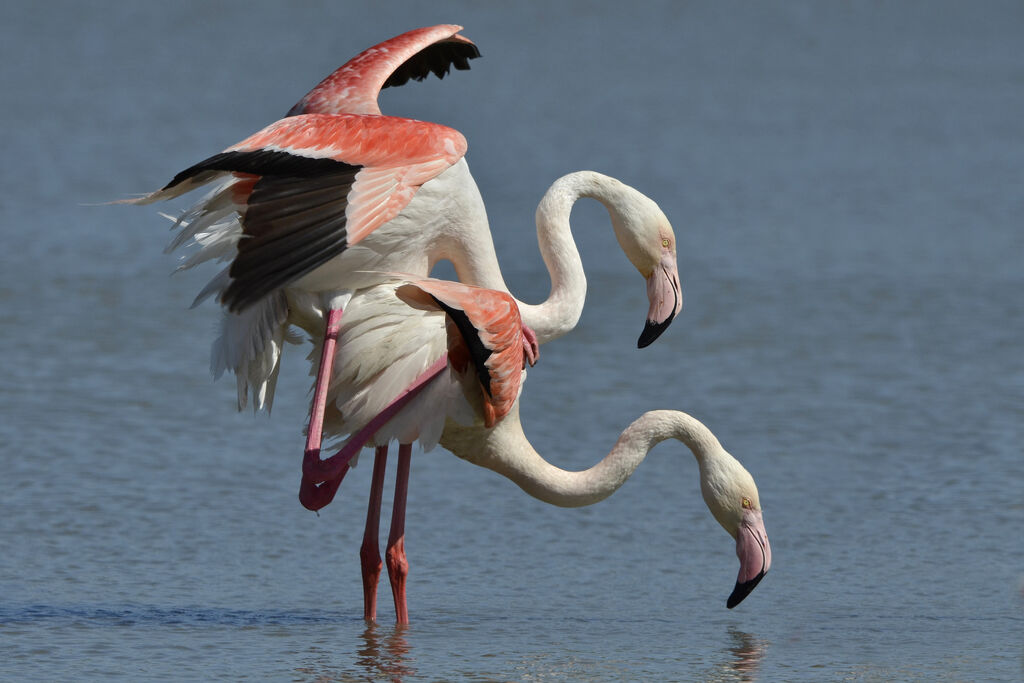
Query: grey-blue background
845, 181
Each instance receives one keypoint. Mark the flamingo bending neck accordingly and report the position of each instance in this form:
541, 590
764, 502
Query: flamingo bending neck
506, 450
727, 488
635, 218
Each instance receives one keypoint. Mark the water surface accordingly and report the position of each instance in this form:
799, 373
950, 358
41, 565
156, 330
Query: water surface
845, 185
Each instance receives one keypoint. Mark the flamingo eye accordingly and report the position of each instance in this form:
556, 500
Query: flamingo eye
747, 504
665, 243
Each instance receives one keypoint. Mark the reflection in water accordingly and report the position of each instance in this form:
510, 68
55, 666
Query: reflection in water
745, 655
747, 652
383, 655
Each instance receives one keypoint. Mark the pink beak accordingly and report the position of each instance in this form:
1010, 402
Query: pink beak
755, 555
665, 296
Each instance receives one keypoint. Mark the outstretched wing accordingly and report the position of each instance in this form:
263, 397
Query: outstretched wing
353, 88
307, 187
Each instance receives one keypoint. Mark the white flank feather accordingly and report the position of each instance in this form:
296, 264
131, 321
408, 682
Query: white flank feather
383, 347
250, 342
249, 345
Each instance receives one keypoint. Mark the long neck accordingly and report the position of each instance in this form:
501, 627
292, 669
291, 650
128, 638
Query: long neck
476, 263
506, 450
561, 311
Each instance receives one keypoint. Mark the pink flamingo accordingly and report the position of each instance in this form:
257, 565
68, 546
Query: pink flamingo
644, 234
322, 198
476, 362
411, 390
310, 208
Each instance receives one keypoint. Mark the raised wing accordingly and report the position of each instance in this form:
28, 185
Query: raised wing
353, 88
307, 187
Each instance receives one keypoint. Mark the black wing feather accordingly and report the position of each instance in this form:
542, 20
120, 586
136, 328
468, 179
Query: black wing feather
262, 162
477, 351
436, 59
291, 225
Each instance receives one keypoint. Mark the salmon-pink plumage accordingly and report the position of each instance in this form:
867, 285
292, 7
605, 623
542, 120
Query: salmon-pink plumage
324, 181
315, 210
308, 187
485, 331
385, 141
354, 87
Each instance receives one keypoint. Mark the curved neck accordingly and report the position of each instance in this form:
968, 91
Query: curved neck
476, 262
560, 312
506, 450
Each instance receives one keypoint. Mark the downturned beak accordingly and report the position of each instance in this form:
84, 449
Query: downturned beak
666, 299
755, 555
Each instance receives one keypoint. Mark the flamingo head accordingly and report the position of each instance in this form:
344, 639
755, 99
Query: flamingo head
646, 237
731, 495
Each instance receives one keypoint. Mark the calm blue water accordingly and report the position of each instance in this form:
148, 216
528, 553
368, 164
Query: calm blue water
845, 183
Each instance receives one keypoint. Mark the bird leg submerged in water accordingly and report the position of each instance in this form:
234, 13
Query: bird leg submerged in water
398, 565
321, 479
369, 552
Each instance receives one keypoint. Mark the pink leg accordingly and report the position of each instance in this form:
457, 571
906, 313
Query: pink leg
330, 470
315, 496
398, 565
311, 496
323, 379
369, 553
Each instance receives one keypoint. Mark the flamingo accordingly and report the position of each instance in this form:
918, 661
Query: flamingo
444, 404
312, 208
641, 228
727, 487
308, 208
476, 363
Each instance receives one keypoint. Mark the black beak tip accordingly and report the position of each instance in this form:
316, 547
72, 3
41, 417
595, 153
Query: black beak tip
653, 330
742, 590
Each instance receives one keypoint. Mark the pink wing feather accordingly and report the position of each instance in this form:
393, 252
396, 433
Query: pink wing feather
353, 87
310, 185
322, 184
485, 329
395, 155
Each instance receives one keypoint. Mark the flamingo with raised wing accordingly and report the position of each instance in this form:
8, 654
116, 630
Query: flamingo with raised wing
309, 208
640, 226
315, 201
312, 208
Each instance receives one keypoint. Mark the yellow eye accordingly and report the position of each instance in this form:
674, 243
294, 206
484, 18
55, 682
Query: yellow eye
747, 503
665, 243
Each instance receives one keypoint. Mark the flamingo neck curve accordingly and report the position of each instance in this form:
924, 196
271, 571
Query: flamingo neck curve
506, 450
465, 241
560, 312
